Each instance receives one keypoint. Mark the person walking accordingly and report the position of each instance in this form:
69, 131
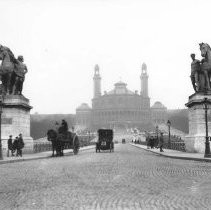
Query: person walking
152, 142
20, 145
161, 142
10, 146
15, 145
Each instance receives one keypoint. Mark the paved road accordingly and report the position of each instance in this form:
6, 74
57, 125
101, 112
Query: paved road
129, 178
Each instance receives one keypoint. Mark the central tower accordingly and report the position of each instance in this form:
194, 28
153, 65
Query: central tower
145, 101
144, 80
97, 82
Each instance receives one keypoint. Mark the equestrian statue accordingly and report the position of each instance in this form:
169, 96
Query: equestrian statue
201, 70
12, 72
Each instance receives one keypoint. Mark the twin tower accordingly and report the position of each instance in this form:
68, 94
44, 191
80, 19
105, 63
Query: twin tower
144, 81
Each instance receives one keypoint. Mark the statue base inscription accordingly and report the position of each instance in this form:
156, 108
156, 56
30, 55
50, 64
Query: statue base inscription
195, 140
16, 120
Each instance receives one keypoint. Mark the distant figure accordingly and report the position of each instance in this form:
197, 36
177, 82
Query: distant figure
10, 146
148, 141
57, 126
20, 145
152, 142
15, 145
161, 141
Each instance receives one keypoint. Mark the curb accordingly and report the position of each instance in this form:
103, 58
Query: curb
174, 157
41, 157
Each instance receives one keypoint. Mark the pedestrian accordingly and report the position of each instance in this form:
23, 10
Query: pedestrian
20, 145
152, 142
15, 145
161, 141
148, 141
10, 146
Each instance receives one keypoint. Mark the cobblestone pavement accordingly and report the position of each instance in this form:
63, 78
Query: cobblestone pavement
129, 178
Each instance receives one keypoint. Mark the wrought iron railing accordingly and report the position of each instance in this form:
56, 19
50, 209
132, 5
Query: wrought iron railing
179, 146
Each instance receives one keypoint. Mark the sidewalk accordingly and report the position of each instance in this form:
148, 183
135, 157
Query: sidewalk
175, 154
41, 155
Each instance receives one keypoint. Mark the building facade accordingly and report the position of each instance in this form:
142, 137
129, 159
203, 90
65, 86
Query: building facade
158, 113
119, 108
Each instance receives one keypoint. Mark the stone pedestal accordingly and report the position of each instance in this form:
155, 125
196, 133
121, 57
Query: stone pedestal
195, 140
16, 120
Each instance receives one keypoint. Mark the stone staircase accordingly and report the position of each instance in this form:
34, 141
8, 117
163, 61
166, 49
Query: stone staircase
174, 132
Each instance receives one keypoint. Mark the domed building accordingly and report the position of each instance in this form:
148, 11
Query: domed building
83, 114
159, 113
118, 108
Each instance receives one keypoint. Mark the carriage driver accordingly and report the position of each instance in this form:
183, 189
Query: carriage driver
63, 128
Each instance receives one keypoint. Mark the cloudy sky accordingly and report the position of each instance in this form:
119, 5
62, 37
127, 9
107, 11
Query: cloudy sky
62, 40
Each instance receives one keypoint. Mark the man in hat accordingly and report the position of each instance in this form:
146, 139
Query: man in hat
20, 145
64, 127
10, 146
15, 145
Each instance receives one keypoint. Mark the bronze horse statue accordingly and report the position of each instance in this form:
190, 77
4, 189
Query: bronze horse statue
201, 70
7, 67
206, 64
12, 72
61, 141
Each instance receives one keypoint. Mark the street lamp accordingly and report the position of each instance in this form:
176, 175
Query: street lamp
157, 129
207, 143
169, 127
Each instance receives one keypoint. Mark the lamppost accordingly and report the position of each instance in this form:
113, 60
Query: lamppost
157, 129
207, 143
169, 127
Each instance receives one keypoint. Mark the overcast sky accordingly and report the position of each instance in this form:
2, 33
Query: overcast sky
62, 40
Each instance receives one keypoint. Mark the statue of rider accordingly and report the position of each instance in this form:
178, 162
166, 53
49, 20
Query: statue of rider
6, 70
195, 68
206, 65
19, 76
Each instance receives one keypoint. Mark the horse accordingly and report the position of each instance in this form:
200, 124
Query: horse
7, 67
206, 63
56, 145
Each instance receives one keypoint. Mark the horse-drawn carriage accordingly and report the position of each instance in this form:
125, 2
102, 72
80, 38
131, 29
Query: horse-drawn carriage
105, 140
61, 141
